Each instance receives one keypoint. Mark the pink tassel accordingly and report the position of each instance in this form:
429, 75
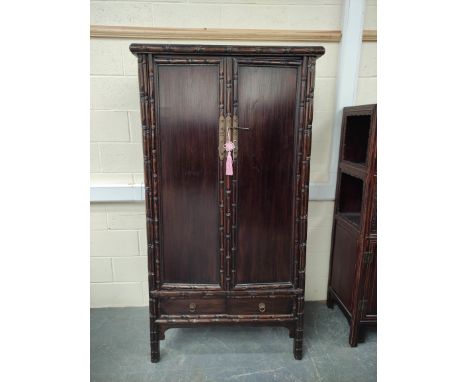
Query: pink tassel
229, 164
229, 146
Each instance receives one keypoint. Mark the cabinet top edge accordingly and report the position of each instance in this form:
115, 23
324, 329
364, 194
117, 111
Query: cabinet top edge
174, 49
360, 109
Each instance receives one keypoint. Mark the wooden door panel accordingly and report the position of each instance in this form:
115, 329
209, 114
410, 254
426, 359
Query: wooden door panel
344, 262
266, 105
370, 289
188, 109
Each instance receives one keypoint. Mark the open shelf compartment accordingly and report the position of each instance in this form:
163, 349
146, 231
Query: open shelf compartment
350, 199
356, 140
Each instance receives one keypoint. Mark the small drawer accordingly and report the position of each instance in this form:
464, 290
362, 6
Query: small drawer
193, 306
259, 305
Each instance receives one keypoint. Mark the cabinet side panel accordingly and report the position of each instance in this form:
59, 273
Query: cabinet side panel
267, 107
344, 263
188, 120
372, 297
371, 282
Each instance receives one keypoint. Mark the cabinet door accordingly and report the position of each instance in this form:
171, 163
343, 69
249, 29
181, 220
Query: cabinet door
345, 261
266, 102
189, 100
370, 290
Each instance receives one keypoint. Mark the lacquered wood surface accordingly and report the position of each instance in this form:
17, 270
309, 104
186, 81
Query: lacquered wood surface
228, 50
353, 261
226, 249
193, 306
344, 262
253, 306
266, 106
188, 118
370, 290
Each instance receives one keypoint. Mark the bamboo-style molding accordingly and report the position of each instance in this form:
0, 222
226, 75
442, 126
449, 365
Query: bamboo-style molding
108, 31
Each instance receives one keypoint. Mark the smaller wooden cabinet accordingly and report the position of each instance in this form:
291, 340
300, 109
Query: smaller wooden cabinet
352, 282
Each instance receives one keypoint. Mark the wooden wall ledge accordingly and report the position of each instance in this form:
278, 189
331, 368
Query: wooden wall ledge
104, 31
369, 35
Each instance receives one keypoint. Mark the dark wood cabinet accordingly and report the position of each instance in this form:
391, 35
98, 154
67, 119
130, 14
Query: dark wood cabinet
226, 249
352, 282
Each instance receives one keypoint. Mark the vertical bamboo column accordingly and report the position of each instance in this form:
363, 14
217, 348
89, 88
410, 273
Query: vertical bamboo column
305, 146
145, 74
235, 137
221, 176
297, 224
154, 238
298, 184
227, 179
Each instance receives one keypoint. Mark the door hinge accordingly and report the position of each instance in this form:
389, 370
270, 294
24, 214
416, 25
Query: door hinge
362, 305
368, 257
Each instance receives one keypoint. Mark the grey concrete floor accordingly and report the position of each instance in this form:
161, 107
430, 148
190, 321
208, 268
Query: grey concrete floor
120, 350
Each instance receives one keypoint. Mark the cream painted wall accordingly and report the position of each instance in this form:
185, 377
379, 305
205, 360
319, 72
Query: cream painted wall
118, 253
367, 83
118, 256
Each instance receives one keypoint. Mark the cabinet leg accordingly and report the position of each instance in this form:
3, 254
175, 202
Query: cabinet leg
154, 334
330, 302
354, 333
298, 342
298, 349
299, 332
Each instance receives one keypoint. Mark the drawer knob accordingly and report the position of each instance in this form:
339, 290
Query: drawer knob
192, 307
261, 307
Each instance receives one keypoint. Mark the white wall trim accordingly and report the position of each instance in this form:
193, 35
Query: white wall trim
117, 193
322, 191
346, 88
136, 192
